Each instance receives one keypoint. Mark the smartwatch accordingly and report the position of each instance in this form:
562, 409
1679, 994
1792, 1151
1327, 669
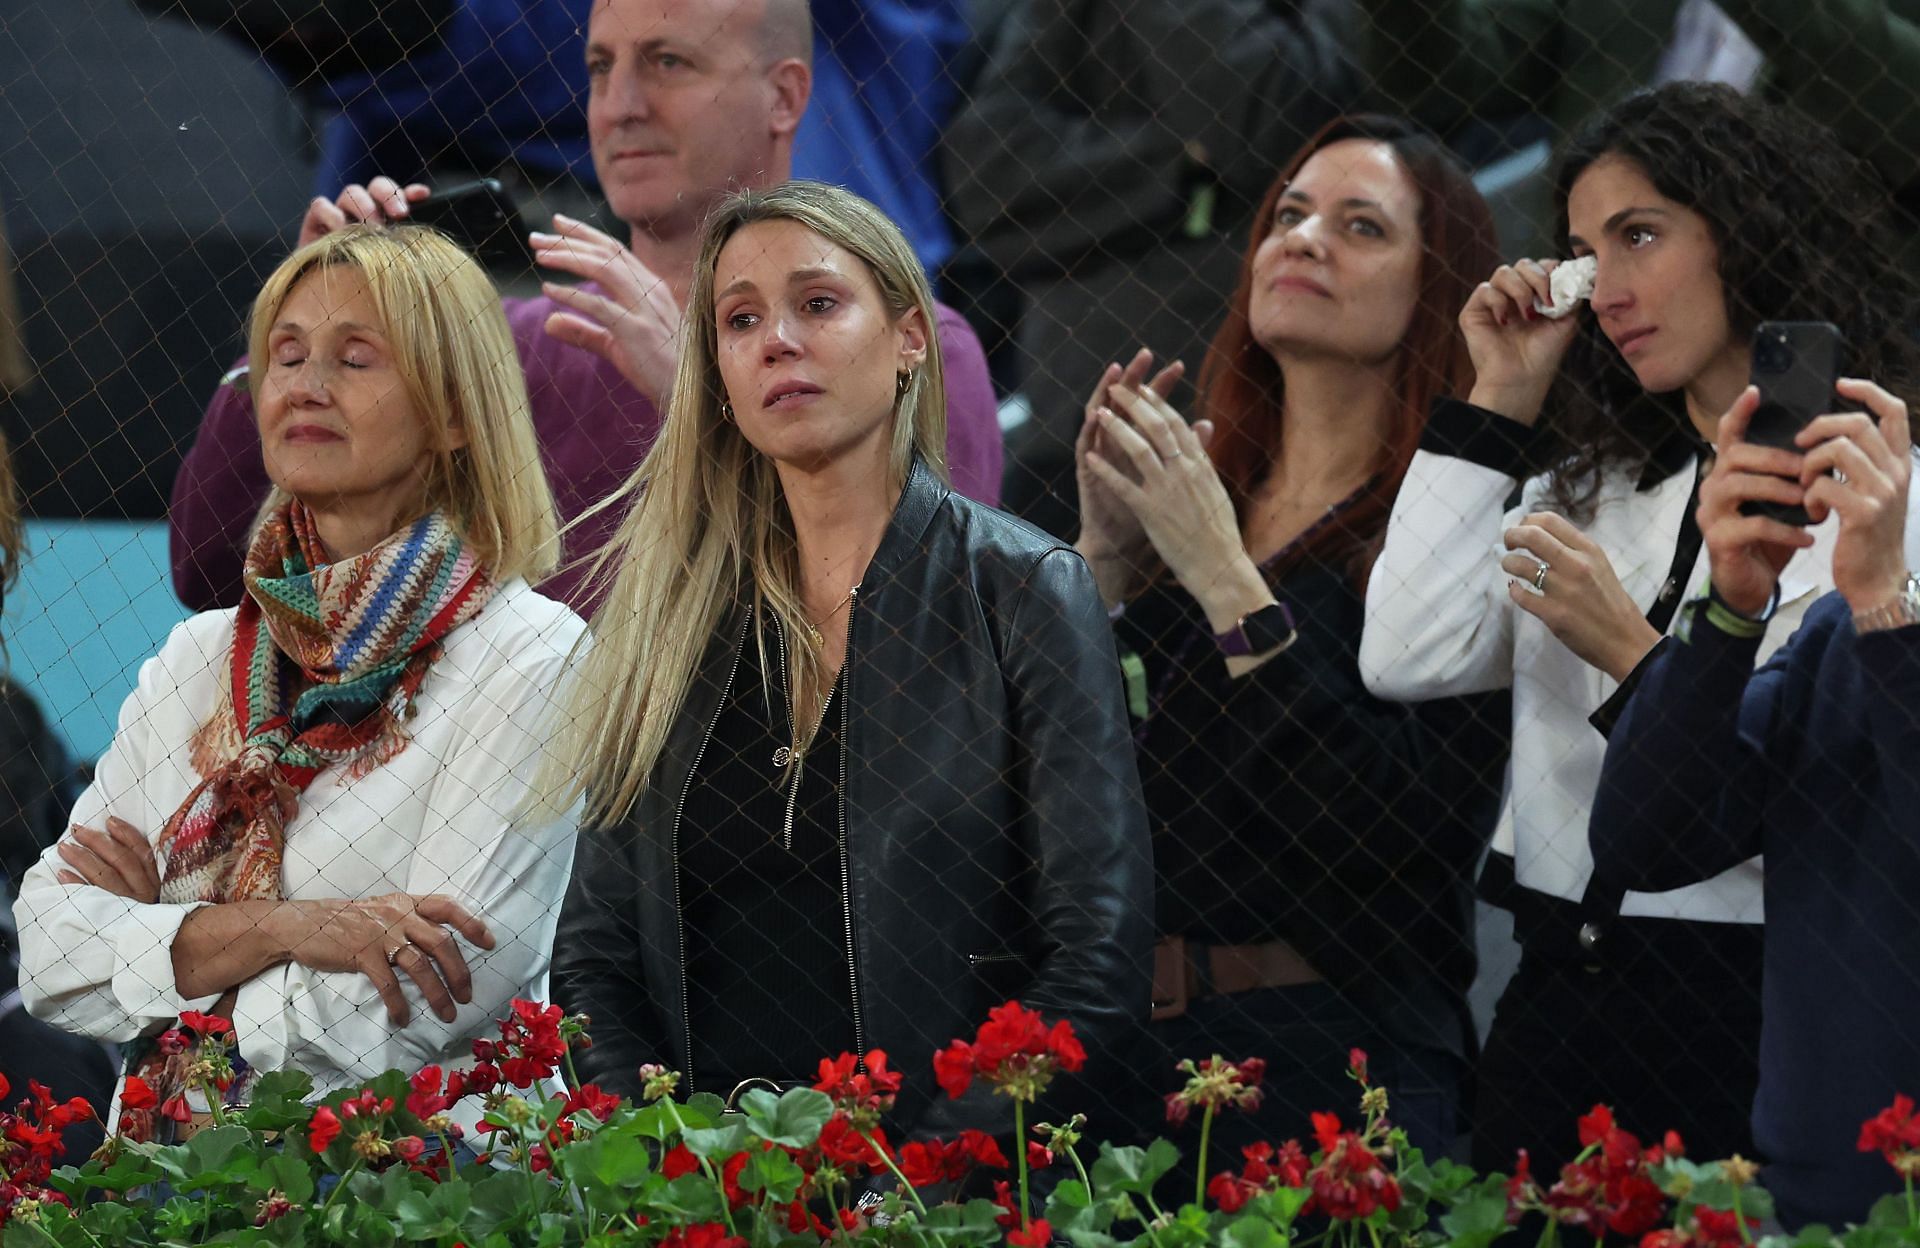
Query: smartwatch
1257, 632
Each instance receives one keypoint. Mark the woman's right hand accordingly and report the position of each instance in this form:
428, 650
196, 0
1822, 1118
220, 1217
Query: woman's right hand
1112, 539
356, 935
379, 201
1515, 350
1746, 553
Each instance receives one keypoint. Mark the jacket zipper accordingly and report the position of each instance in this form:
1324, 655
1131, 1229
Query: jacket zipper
846, 865
793, 784
679, 810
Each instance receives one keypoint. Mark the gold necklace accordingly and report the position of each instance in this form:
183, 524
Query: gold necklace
813, 626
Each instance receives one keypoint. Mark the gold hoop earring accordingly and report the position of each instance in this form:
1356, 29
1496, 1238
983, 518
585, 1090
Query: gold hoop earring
902, 383
726, 411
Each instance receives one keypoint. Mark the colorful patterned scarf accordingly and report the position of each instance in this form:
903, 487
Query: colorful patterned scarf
326, 661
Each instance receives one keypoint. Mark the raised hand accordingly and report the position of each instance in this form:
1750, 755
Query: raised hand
633, 322
1112, 539
1516, 351
1859, 470
379, 201
1747, 552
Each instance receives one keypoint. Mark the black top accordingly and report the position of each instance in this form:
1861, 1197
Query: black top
1292, 804
768, 992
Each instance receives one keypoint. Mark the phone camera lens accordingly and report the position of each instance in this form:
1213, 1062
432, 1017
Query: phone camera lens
1772, 353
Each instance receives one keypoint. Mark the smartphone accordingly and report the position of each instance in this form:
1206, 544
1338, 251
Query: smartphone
481, 217
1795, 367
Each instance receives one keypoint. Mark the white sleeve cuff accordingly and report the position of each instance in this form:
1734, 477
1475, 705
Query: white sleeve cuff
260, 1015
143, 979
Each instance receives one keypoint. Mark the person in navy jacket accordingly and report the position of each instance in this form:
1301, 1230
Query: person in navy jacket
1811, 760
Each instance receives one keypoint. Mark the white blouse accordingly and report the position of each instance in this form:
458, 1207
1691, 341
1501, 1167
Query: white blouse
443, 816
1439, 623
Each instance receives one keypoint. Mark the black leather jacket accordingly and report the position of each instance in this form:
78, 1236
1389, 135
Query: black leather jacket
994, 843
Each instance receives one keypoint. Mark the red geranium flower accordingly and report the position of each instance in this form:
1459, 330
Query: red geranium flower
1014, 1050
1350, 1181
322, 1129
1894, 1132
679, 1162
137, 1095
702, 1235
1037, 1235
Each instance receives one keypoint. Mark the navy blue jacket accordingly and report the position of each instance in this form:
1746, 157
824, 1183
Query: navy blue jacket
1813, 760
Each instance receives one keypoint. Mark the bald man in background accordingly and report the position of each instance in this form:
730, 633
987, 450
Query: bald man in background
687, 101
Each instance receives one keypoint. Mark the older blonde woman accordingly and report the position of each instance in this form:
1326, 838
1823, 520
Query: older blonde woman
857, 745
310, 815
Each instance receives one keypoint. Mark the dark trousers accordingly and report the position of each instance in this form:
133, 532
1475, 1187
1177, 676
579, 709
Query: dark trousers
1662, 1023
1304, 1033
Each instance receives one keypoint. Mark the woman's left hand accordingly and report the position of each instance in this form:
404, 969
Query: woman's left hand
1869, 495
119, 860
1581, 600
1173, 489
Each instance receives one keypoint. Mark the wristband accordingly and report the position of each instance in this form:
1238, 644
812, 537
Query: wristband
1735, 623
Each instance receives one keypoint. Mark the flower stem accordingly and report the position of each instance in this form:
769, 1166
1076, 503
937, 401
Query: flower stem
1080, 1170
339, 1187
706, 1166
1740, 1219
573, 1076
1200, 1176
1551, 1234
1020, 1152
881, 1153
1913, 1210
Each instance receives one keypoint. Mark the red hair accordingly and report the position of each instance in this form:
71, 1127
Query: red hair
1241, 390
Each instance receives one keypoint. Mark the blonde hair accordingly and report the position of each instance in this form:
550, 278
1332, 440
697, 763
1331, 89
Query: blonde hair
451, 347
708, 521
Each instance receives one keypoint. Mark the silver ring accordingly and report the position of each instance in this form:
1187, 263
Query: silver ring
1839, 478
1176, 455
393, 954
1540, 577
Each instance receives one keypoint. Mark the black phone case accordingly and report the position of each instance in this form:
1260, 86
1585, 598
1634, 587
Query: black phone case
481, 217
1795, 366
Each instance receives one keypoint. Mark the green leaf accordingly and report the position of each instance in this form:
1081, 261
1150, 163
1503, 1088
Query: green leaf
614, 1158
691, 1197
716, 1143
1284, 1205
278, 1101
1132, 1169
1070, 1207
496, 1200
290, 1174
419, 1220
703, 1109
1479, 1219
775, 1173
214, 1149
954, 1225
792, 1120
1252, 1231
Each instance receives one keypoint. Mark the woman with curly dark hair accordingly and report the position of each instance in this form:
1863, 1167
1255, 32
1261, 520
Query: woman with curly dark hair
1703, 213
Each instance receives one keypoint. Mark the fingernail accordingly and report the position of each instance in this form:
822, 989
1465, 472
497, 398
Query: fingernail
561, 216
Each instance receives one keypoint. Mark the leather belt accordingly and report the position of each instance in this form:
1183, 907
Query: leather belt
1185, 971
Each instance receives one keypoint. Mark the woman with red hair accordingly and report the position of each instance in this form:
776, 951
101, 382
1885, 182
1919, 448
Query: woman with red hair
1312, 842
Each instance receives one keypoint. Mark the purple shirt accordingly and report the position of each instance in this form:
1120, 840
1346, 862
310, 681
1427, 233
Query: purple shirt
593, 429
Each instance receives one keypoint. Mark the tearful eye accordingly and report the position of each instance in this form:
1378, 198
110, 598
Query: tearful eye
1637, 235
822, 303
1288, 216
1370, 228
741, 320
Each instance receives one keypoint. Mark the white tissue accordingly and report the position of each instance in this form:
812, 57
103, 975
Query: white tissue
1571, 282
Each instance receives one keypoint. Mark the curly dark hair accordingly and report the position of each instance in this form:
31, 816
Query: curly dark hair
1803, 233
